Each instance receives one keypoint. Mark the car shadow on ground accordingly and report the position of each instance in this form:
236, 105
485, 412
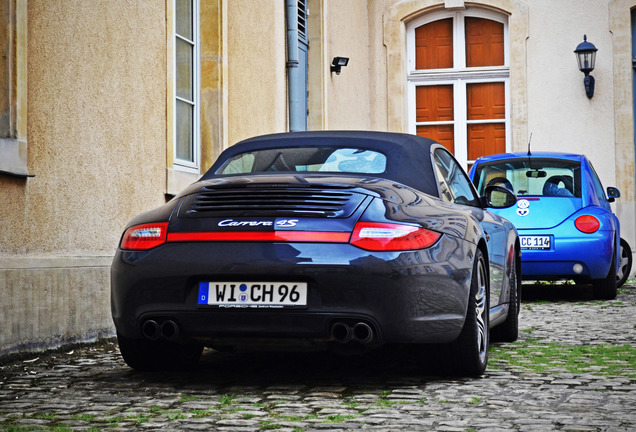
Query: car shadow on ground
373, 369
556, 292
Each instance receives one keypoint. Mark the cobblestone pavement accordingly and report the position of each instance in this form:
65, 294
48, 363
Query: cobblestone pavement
573, 369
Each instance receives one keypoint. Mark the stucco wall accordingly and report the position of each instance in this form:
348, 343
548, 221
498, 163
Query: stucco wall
99, 119
560, 115
96, 134
256, 58
348, 94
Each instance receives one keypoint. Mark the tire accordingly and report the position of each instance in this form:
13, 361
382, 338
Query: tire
508, 331
146, 355
605, 289
468, 354
625, 264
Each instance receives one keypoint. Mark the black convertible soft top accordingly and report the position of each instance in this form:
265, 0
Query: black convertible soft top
408, 156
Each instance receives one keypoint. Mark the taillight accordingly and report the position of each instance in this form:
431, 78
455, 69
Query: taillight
375, 236
144, 237
587, 224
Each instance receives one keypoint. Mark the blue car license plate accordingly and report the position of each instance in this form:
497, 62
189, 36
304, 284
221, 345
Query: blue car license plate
253, 294
535, 242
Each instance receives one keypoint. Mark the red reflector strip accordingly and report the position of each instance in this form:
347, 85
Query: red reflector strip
262, 236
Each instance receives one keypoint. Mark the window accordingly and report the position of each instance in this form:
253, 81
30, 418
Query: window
532, 177
453, 183
297, 72
13, 88
458, 81
307, 159
186, 73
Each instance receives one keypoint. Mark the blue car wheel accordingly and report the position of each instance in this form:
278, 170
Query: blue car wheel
625, 265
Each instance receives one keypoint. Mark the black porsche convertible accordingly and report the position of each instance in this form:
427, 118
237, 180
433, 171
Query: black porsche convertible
317, 240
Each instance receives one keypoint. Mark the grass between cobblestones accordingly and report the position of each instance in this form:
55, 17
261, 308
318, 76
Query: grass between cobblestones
534, 356
529, 356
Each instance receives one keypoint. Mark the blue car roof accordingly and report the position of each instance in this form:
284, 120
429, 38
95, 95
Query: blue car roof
520, 155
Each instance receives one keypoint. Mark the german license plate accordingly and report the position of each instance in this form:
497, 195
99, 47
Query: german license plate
535, 242
253, 294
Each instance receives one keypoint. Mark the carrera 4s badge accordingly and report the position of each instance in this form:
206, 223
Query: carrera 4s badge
283, 223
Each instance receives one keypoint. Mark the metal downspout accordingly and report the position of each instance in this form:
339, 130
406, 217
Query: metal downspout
296, 122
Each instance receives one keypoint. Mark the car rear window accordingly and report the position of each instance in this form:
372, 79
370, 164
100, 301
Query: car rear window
307, 159
531, 177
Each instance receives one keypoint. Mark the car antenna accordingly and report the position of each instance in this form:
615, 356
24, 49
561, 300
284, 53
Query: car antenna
529, 141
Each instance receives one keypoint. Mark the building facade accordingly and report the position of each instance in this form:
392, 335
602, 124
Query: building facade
108, 108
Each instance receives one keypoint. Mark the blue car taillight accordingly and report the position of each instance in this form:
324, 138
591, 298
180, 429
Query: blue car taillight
587, 224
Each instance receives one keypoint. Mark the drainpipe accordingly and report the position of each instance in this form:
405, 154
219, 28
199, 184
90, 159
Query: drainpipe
296, 122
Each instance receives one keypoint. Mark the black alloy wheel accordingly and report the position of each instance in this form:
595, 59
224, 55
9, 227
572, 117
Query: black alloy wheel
468, 354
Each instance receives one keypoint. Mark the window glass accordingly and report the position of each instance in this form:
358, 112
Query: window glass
186, 146
598, 187
184, 69
532, 177
454, 184
184, 131
183, 20
307, 159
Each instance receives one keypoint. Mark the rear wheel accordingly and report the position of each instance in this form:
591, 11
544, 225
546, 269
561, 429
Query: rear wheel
625, 264
468, 354
605, 289
146, 355
508, 331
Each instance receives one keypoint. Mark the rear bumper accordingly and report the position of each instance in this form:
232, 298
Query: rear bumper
591, 252
404, 297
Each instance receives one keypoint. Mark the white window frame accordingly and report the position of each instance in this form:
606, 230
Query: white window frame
458, 76
182, 164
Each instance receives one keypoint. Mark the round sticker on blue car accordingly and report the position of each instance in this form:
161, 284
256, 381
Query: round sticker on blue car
523, 207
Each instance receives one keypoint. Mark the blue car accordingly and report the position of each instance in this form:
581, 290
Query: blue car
566, 227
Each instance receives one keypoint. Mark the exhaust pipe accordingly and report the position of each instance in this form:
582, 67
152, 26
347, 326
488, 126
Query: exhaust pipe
363, 333
150, 329
341, 332
169, 330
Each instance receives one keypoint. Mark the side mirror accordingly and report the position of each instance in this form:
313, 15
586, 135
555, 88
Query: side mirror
612, 194
499, 197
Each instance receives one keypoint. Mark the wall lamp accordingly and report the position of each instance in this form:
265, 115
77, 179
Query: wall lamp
338, 63
586, 56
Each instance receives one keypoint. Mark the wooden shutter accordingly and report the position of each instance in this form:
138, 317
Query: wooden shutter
435, 104
486, 101
434, 45
484, 42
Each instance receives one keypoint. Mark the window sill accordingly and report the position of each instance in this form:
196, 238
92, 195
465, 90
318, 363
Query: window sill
13, 157
177, 180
